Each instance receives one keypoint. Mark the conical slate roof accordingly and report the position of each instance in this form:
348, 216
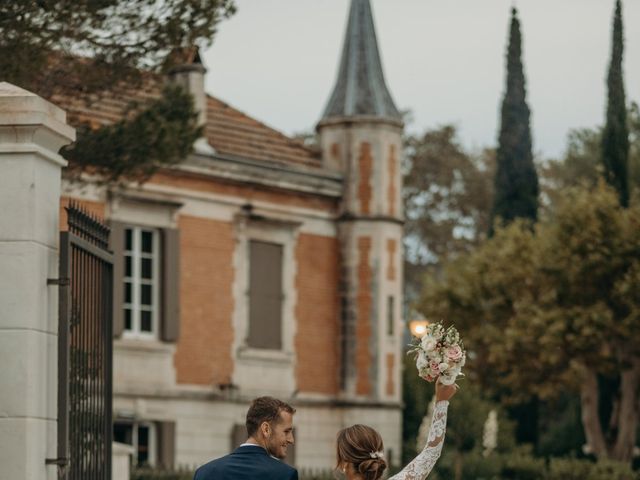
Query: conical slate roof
360, 88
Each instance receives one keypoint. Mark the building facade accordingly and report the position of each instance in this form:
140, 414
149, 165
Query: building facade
259, 266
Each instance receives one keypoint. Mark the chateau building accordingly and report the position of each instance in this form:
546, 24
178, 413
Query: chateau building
259, 266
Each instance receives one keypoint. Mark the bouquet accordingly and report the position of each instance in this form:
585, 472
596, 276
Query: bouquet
440, 354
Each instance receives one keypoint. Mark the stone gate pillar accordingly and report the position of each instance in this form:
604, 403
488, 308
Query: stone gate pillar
32, 131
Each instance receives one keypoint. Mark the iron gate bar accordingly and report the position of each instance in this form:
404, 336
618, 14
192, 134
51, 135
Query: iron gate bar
91, 248
64, 311
85, 349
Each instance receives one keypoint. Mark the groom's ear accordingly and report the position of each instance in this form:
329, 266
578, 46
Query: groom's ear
265, 429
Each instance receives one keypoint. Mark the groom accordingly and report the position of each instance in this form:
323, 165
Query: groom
270, 428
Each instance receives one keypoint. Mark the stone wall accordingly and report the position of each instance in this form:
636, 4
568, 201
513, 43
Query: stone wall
31, 133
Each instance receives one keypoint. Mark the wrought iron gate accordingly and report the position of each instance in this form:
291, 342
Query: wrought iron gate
85, 349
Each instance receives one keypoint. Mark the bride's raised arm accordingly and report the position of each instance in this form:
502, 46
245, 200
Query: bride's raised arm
422, 465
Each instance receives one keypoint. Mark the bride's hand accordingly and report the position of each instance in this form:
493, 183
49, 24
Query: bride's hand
445, 392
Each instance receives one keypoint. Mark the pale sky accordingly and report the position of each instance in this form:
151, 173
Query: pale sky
277, 60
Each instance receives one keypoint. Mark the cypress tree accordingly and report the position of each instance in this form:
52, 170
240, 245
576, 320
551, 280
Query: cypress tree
615, 138
516, 183
516, 180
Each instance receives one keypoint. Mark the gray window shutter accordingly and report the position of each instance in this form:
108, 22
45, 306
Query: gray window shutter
116, 244
265, 295
170, 313
238, 436
166, 444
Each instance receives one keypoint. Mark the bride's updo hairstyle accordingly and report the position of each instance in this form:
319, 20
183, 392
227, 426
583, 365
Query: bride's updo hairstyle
361, 446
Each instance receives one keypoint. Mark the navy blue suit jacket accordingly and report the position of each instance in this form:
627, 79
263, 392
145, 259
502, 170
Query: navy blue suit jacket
246, 463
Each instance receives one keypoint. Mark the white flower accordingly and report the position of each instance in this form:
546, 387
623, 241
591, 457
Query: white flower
429, 343
422, 362
443, 367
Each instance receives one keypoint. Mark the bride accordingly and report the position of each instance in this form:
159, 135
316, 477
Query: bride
360, 449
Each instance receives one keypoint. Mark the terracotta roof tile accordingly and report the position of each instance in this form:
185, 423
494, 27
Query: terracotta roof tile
229, 131
232, 132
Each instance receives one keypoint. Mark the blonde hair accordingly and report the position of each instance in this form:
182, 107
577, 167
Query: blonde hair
362, 447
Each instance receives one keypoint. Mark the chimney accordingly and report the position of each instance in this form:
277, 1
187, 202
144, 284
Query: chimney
188, 71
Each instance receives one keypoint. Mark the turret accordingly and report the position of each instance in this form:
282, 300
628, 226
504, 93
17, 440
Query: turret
361, 136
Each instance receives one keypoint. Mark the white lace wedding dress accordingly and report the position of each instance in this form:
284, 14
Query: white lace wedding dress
422, 465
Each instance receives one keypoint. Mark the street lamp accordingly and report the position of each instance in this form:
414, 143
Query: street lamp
418, 327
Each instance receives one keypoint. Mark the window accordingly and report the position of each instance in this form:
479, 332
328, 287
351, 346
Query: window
391, 305
142, 437
265, 295
146, 275
141, 281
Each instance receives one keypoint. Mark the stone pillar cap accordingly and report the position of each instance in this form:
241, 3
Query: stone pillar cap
19, 107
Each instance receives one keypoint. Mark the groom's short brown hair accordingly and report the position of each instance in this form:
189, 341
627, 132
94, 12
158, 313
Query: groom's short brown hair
265, 409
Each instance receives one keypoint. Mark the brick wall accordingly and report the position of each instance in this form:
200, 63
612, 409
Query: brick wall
203, 353
317, 314
365, 169
363, 326
391, 189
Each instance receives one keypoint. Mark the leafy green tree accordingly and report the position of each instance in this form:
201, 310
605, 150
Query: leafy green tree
516, 180
131, 150
561, 432
447, 197
548, 310
465, 427
83, 49
582, 162
117, 39
615, 137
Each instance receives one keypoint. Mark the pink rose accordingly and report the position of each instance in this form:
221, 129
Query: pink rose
454, 352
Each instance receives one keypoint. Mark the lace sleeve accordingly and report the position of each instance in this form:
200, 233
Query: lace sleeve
422, 465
